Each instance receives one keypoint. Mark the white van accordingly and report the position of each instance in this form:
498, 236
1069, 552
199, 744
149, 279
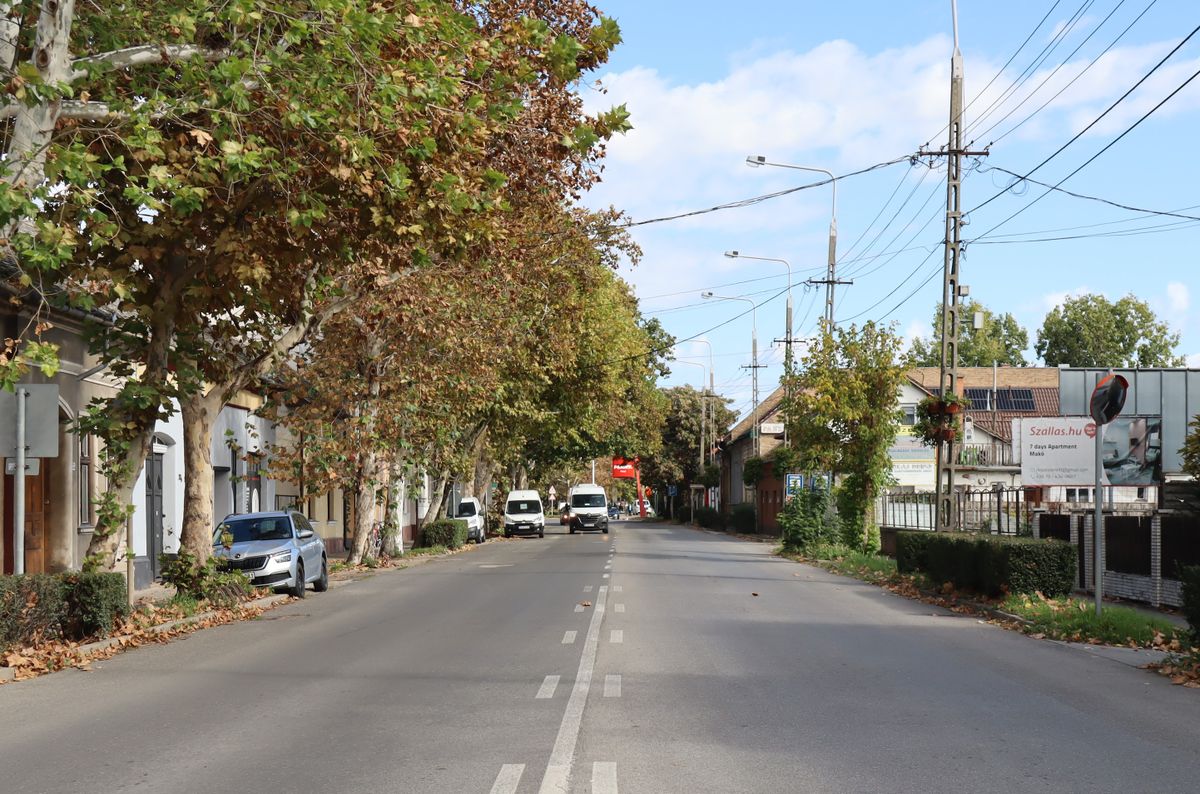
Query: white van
523, 514
589, 508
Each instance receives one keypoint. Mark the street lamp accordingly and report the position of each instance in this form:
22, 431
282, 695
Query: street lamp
788, 341
709, 294
830, 279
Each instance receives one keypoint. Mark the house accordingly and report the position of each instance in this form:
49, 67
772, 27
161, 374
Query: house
738, 446
985, 458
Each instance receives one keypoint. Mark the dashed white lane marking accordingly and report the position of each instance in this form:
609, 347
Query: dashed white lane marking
612, 685
508, 779
579, 607
616, 636
587, 588
568, 638
618, 588
604, 576
558, 772
607, 565
619, 608
546, 691
604, 777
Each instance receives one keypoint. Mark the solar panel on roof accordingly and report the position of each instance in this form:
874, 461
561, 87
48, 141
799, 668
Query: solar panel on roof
1015, 400
980, 398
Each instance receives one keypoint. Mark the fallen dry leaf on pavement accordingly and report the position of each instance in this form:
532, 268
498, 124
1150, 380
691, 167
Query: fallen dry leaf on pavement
585, 603
754, 594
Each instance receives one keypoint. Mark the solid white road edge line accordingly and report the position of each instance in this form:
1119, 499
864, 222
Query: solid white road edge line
612, 685
508, 779
547, 688
604, 777
558, 772
568, 638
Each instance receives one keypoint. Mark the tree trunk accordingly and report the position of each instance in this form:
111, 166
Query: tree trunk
437, 497
200, 413
122, 475
364, 505
393, 531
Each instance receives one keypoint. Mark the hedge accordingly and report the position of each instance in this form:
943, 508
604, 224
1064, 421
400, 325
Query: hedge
72, 606
448, 532
989, 564
683, 514
742, 518
710, 518
1190, 576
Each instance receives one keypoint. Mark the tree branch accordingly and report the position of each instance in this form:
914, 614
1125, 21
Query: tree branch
141, 55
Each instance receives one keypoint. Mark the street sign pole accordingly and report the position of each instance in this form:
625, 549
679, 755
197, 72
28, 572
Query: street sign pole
1098, 521
19, 487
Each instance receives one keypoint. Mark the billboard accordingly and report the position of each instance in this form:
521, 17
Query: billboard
1062, 450
624, 469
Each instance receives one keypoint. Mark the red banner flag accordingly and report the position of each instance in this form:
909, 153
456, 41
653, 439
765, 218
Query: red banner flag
624, 469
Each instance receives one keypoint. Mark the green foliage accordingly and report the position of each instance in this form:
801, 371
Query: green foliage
842, 417
72, 605
785, 460
207, 581
940, 419
683, 514
989, 564
742, 519
677, 460
1091, 331
1190, 452
807, 520
96, 602
426, 551
711, 477
448, 532
31, 607
1075, 619
1190, 576
1001, 339
752, 471
710, 518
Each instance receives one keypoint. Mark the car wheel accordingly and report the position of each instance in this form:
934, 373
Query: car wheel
482, 535
507, 534
322, 583
298, 588
605, 530
541, 533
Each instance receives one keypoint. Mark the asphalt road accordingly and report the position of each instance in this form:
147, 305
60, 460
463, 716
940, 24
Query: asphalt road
485, 672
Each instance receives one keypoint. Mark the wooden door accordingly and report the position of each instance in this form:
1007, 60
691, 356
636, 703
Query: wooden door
154, 511
37, 500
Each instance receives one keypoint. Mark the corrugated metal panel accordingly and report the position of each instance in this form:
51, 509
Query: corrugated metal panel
1173, 394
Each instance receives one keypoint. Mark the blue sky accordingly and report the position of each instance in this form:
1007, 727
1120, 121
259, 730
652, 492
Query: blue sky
843, 86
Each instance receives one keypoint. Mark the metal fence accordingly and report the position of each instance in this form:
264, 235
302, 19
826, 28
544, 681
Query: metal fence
1002, 511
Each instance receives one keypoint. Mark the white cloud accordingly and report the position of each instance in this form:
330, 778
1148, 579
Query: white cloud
917, 329
1193, 360
1053, 300
1178, 297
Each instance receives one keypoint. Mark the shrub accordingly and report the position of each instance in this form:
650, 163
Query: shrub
683, 514
448, 532
910, 550
989, 564
1190, 576
742, 518
95, 603
710, 518
207, 582
752, 471
806, 520
31, 606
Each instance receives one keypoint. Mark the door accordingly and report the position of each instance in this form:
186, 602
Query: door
154, 512
37, 498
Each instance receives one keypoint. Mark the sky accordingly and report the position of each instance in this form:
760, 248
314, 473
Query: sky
846, 86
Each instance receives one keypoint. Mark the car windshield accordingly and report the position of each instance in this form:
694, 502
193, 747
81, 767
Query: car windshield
587, 500
522, 506
466, 509
250, 529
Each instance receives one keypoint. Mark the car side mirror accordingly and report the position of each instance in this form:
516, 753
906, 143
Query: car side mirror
305, 534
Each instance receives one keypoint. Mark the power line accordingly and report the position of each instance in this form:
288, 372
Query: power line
1117, 204
1028, 71
1092, 159
1071, 82
898, 286
1097, 120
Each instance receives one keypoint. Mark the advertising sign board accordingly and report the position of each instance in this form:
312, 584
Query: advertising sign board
1061, 451
624, 469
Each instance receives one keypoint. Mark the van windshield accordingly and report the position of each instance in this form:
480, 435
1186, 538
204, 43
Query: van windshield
522, 506
466, 509
587, 500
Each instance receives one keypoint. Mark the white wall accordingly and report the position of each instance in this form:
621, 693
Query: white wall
169, 441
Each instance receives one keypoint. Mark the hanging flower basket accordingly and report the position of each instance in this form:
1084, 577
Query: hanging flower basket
940, 419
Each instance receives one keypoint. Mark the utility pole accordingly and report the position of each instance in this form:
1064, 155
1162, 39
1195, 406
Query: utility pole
945, 504
830, 281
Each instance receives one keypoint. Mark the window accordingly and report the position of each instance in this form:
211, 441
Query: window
85, 481
910, 415
968, 430
329, 505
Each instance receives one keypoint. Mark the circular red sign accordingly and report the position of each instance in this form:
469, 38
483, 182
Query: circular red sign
1090, 430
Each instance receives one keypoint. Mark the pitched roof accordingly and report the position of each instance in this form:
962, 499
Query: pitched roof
765, 409
929, 378
999, 423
